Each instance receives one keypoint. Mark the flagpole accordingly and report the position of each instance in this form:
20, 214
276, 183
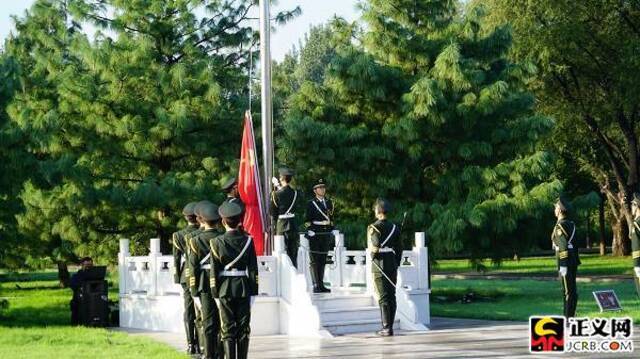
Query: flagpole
266, 110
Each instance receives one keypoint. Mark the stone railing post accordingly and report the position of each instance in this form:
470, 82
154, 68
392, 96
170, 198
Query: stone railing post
278, 252
122, 265
422, 260
154, 253
338, 255
303, 258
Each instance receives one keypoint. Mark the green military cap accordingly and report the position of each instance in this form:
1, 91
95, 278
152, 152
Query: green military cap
319, 183
636, 199
383, 205
563, 204
188, 210
230, 209
209, 212
229, 184
199, 206
285, 171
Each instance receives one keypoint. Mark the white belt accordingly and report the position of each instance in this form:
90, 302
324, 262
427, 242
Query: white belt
286, 216
570, 246
386, 250
234, 273
322, 223
205, 266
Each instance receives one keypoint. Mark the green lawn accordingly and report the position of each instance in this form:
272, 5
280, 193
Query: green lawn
519, 299
592, 264
36, 325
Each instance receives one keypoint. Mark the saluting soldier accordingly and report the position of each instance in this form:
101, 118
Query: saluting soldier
319, 223
234, 281
635, 240
567, 254
181, 275
282, 208
199, 267
385, 246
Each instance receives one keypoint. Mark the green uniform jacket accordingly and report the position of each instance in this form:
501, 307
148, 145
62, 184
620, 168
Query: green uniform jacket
281, 201
316, 212
377, 234
224, 250
635, 242
198, 251
563, 238
180, 251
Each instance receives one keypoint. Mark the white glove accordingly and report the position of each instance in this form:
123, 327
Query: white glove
197, 303
311, 233
563, 271
275, 182
253, 299
637, 270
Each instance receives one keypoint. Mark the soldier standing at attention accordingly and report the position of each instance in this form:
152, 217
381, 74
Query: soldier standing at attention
181, 275
635, 240
282, 209
386, 252
234, 281
567, 255
319, 224
199, 281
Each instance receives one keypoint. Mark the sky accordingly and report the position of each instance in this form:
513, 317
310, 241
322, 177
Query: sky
313, 12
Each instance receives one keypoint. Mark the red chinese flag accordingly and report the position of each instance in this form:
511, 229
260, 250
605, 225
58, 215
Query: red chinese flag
249, 187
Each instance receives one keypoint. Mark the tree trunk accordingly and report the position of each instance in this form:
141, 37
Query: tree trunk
63, 274
620, 244
601, 224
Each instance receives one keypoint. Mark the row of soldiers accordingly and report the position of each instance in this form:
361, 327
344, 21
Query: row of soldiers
218, 269
216, 264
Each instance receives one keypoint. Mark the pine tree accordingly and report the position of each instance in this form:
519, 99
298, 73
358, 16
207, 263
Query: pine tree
424, 108
129, 127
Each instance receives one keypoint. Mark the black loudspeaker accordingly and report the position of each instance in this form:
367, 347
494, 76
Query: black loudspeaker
94, 303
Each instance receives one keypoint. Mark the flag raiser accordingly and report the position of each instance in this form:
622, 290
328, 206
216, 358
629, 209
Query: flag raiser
249, 187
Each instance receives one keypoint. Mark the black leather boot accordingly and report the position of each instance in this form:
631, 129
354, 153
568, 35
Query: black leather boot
229, 349
243, 347
387, 325
314, 278
320, 268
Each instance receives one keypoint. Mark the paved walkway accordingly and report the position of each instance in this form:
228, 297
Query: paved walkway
448, 338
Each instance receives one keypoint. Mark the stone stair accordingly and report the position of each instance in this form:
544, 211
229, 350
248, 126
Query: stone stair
348, 311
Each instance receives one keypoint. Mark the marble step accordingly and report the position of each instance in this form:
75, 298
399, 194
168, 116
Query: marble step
357, 326
349, 314
336, 301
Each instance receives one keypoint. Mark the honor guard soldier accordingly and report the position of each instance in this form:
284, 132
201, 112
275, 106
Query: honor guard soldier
199, 266
234, 281
319, 223
181, 275
635, 240
231, 189
386, 252
282, 208
567, 254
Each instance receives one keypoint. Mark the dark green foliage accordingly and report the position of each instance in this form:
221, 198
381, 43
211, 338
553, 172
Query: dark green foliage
424, 108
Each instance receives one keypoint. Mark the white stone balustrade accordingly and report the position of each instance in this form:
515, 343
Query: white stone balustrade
149, 298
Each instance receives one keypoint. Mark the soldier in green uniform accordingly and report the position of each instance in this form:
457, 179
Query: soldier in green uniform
635, 240
230, 187
199, 267
283, 212
567, 254
181, 275
234, 281
319, 223
386, 251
